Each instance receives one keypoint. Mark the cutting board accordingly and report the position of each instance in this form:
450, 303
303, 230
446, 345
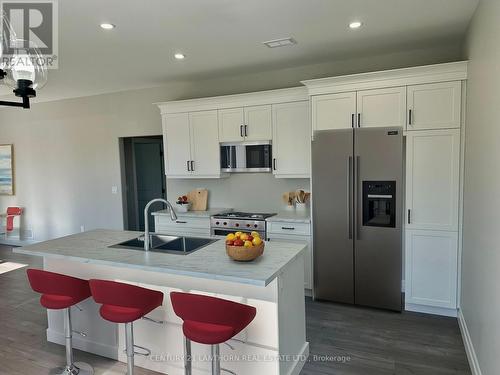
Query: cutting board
198, 199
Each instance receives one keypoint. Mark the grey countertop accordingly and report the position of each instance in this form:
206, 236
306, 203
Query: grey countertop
294, 216
210, 262
207, 213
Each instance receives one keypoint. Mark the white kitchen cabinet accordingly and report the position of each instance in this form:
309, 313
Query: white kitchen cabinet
333, 111
192, 145
288, 231
291, 140
258, 123
431, 268
434, 106
205, 151
432, 179
253, 123
381, 107
183, 226
231, 122
177, 142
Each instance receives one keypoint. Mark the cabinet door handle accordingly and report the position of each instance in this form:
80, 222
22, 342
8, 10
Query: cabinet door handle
187, 164
274, 164
246, 130
359, 120
288, 228
181, 222
410, 115
192, 165
241, 131
352, 120
409, 216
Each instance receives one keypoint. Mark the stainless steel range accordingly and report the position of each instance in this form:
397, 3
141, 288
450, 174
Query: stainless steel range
229, 222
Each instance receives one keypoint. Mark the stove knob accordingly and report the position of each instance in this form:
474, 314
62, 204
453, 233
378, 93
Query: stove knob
217, 223
225, 223
236, 225
255, 225
248, 225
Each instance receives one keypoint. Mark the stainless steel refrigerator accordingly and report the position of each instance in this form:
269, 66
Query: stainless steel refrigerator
357, 205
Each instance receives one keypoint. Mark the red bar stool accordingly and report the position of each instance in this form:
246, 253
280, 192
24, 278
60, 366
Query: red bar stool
125, 303
211, 321
61, 292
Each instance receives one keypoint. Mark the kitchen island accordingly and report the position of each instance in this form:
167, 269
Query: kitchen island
274, 343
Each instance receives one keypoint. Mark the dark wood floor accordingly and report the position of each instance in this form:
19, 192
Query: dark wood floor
344, 340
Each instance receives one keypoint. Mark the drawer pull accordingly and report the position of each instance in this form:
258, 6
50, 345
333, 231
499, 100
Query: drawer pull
288, 228
181, 222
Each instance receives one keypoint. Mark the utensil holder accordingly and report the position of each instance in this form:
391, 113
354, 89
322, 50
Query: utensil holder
301, 206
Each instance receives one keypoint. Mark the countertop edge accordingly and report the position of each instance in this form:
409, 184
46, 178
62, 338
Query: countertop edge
260, 283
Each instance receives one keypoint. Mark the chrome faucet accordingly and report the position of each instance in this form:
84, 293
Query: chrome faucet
173, 216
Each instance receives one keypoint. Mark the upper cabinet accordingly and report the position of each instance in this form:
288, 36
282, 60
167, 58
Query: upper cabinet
231, 122
192, 145
258, 123
291, 140
333, 111
432, 179
364, 109
381, 107
252, 123
434, 106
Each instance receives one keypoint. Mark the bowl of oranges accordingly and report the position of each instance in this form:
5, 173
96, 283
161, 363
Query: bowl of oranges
244, 247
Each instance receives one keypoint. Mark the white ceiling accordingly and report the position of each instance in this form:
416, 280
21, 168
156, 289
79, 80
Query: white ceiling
224, 37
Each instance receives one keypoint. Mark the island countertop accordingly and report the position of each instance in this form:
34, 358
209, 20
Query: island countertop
210, 262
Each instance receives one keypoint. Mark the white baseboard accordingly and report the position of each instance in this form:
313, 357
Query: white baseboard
469, 348
301, 360
84, 344
431, 310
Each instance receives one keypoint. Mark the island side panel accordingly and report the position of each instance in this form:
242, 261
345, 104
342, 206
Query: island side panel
293, 347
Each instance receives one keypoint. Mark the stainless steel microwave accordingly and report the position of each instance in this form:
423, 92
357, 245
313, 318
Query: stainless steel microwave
246, 157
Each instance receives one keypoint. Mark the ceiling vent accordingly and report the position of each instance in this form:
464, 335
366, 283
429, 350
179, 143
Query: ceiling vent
283, 42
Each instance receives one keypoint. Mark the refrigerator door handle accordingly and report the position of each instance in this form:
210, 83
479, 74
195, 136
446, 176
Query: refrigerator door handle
357, 200
349, 195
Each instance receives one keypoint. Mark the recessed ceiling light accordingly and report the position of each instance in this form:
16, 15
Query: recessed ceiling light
179, 56
107, 26
355, 25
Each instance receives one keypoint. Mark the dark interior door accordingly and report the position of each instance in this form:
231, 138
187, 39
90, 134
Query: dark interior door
149, 176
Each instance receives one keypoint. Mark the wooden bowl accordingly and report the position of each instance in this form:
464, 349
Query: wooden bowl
244, 254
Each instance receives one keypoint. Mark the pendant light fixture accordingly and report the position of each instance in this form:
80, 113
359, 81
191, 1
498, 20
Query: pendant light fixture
22, 69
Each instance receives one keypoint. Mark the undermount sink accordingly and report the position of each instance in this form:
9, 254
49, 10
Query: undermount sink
167, 244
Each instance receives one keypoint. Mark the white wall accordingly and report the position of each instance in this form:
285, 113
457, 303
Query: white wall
480, 302
67, 156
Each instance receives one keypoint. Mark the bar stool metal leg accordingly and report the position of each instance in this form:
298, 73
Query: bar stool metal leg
129, 341
215, 360
79, 368
187, 356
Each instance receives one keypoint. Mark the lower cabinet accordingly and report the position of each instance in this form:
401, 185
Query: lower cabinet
431, 271
276, 233
183, 226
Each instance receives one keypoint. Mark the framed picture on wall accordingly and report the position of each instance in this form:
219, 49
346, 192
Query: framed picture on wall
6, 170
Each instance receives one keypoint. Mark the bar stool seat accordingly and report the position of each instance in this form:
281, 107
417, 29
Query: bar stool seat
209, 320
122, 314
207, 333
125, 303
61, 292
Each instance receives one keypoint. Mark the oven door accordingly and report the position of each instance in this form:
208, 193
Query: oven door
246, 157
